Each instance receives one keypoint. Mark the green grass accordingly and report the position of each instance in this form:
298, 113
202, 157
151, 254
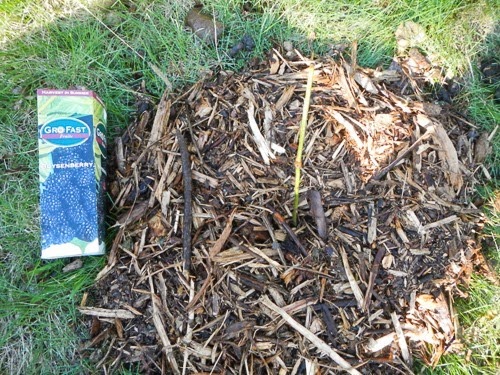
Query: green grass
59, 44
39, 322
479, 316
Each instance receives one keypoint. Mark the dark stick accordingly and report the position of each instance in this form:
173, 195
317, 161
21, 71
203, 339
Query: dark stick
373, 275
281, 220
193, 140
188, 210
331, 328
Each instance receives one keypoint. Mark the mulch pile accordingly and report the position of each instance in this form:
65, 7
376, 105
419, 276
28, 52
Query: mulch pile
363, 283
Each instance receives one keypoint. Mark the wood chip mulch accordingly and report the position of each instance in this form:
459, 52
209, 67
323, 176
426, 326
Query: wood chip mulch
364, 283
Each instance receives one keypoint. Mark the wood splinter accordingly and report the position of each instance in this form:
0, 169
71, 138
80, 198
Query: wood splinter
188, 202
322, 346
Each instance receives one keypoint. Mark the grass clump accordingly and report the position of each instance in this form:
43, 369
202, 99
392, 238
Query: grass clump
479, 316
60, 44
479, 313
453, 29
39, 324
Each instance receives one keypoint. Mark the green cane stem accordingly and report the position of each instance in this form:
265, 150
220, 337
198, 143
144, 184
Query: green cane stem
302, 135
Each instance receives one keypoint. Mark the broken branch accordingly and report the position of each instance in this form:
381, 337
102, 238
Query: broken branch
188, 213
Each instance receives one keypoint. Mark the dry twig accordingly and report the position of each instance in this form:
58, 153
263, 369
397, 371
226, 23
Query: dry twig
188, 210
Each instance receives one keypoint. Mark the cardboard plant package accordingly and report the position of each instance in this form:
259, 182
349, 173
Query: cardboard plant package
72, 161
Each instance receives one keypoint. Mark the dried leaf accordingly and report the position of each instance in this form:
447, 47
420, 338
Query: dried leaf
409, 34
204, 26
274, 63
75, 265
482, 148
203, 109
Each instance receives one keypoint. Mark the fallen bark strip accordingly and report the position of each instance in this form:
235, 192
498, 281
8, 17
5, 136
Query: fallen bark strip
317, 212
188, 203
320, 344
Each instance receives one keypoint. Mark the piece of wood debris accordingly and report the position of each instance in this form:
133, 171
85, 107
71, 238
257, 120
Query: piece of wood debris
161, 118
262, 144
352, 281
373, 275
447, 152
401, 339
106, 313
446, 220
320, 344
219, 244
188, 205
372, 223
375, 345
285, 97
160, 328
365, 82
